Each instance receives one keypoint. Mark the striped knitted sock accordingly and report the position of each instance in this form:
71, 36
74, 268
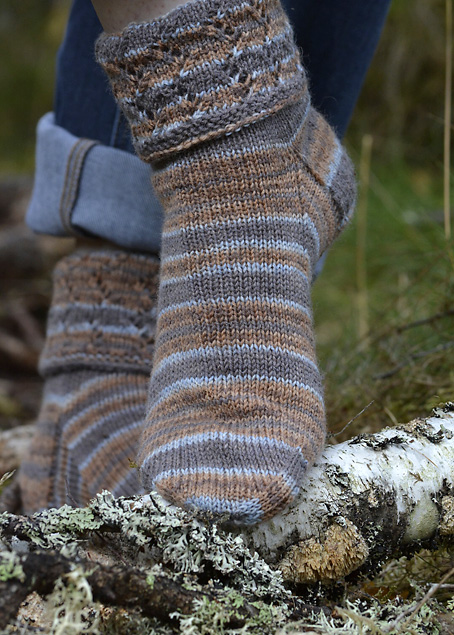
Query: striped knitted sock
96, 364
255, 187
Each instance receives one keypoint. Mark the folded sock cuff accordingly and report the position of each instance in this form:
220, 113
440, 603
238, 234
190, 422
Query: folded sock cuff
103, 313
205, 69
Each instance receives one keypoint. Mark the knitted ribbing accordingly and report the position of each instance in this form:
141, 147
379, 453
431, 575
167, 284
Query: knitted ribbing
96, 361
235, 410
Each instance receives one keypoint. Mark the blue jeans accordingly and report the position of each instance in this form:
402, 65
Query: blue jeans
87, 180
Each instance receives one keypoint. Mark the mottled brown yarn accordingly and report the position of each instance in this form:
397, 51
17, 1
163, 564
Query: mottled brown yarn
96, 363
103, 313
255, 187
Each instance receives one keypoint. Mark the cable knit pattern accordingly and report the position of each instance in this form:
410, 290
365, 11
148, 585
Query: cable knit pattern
204, 70
235, 408
96, 361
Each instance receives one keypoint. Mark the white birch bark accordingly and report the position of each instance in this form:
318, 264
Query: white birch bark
365, 500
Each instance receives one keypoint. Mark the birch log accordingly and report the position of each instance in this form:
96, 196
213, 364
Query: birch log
365, 500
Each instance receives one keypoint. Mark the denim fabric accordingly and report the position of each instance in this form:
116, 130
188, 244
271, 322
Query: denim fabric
84, 188
83, 102
75, 192
338, 39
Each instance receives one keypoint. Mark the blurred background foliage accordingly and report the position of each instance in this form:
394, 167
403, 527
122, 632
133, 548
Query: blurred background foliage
384, 304
402, 101
30, 33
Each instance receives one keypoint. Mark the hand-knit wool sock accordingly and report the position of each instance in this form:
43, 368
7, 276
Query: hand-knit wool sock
255, 187
96, 364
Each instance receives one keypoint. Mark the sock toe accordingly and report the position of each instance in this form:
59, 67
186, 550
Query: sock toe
265, 479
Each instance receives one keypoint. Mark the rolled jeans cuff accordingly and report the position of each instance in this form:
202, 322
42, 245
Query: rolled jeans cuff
84, 188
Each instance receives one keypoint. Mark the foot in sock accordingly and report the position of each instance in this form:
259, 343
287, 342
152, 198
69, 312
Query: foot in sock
255, 187
96, 364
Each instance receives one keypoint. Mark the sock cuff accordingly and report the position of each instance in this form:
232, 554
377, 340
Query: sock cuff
103, 313
205, 69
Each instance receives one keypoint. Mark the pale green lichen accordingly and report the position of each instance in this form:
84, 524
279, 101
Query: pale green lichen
216, 616
239, 592
187, 543
10, 567
163, 540
357, 618
55, 528
71, 606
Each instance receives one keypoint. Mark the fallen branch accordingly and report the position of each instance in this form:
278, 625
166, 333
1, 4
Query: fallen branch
142, 554
118, 585
365, 500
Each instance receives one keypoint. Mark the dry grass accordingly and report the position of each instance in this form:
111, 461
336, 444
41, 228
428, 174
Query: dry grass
402, 362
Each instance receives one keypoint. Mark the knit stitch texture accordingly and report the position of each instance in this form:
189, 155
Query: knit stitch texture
96, 363
204, 70
255, 187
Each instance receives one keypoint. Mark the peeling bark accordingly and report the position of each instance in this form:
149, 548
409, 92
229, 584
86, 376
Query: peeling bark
365, 500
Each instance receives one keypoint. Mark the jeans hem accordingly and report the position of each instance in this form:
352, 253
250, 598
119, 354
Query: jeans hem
84, 188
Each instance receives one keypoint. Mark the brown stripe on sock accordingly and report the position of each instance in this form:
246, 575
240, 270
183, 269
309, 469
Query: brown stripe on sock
192, 263
106, 474
272, 493
73, 399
